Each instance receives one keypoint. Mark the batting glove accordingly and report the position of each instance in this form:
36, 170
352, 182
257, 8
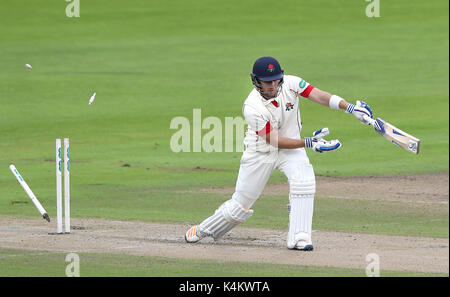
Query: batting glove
361, 111
320, 145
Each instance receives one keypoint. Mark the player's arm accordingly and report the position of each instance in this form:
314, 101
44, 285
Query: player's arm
323, 98
271, 136
283, 142
316, 143
360, 110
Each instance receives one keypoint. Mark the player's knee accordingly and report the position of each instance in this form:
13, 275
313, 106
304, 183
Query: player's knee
298, 188
245, 199
234, 212
303, 182
226, 217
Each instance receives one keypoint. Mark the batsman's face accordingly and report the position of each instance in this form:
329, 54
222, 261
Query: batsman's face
269, 88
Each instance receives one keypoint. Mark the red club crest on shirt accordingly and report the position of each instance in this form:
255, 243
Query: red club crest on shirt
289, 106
270, 68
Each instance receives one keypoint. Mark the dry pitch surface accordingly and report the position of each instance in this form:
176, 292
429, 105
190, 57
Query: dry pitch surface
337, 249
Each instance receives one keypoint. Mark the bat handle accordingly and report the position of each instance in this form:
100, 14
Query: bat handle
377, 124
371, 121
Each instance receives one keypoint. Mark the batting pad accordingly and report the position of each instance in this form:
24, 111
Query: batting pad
226, 217
301, 199
300, 219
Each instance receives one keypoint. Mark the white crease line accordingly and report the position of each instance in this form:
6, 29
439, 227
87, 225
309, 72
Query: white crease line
20, 255
89, 250
126, 247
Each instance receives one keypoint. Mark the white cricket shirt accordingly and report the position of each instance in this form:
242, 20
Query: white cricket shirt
280, 113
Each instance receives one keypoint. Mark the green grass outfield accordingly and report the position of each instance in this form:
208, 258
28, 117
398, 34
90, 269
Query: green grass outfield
37, 263
150, 61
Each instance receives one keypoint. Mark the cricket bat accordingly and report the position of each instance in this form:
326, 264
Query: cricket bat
396, 136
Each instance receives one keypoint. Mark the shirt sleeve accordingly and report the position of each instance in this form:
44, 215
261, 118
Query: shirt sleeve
299, 86
256, 121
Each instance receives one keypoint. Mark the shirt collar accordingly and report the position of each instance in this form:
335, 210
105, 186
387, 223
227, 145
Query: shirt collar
274, 101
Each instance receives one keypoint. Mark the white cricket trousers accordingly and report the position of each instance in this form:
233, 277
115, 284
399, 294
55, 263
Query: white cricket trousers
256, 169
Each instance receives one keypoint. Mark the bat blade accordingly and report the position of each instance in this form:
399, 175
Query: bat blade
397, 136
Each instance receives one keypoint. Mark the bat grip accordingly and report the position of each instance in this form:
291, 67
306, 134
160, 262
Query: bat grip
371, 122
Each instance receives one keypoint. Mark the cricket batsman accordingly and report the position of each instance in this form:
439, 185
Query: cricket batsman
273, 141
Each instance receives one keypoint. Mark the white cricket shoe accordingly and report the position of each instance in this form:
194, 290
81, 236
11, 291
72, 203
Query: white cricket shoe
303, 242
193, 234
